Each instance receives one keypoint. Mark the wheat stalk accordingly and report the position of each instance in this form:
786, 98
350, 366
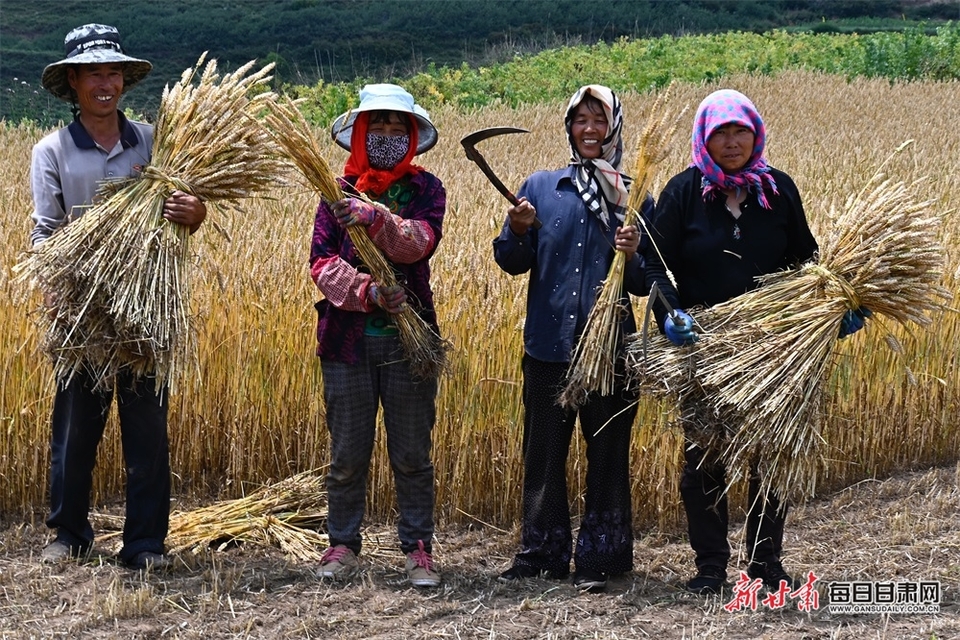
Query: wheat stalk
753, 387
425, 351
593, 363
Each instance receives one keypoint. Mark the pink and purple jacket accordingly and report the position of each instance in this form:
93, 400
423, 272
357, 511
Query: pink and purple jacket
407, 236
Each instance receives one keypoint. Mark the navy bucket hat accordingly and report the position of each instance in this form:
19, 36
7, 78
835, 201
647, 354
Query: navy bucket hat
92, 44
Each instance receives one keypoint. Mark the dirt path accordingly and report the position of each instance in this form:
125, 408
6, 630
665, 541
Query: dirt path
902, 530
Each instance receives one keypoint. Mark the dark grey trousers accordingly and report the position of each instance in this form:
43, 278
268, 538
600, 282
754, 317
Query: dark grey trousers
352, 394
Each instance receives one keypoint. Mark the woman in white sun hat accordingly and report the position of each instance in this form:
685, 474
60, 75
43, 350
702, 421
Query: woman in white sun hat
358, 343
67, 168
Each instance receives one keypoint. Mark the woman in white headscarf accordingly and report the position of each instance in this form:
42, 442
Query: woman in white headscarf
564, 233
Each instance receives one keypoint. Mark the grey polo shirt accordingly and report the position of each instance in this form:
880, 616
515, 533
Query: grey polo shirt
68, 166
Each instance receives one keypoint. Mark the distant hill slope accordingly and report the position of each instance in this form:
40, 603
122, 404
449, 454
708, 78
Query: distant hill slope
337, 40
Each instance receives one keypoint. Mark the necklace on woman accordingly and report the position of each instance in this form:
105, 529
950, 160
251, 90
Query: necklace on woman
732, 204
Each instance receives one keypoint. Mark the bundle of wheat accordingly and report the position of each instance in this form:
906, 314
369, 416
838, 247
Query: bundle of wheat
593, 363
423, 348
752, 387
288, 514
119, 273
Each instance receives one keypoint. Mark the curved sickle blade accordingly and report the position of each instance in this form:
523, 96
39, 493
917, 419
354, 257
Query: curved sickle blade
469, 143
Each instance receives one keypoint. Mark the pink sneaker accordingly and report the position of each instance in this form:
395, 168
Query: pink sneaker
420, 569
338, 562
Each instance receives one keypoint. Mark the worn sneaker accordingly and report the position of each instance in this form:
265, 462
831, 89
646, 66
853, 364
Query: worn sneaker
420, 569
708, 581
589, 580
772, 574
150, 561
338, 562
524, 571
58, 551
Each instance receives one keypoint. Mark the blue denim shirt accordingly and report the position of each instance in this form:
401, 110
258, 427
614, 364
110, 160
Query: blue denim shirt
568, 259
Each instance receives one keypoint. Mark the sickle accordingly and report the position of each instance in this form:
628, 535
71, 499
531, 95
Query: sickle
469, 145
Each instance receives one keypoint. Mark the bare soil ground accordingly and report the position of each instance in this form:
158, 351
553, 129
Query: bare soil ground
903, 529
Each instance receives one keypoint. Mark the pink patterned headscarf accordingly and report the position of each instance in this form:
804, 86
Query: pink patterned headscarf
718, 109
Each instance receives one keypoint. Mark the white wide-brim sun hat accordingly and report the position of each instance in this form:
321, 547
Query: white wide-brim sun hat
92, 44
386, 97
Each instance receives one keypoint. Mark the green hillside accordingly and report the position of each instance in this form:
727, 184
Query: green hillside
335, 41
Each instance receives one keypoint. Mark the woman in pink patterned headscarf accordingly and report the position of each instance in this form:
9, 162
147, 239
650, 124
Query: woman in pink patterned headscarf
720, 224
725, 220
728, 143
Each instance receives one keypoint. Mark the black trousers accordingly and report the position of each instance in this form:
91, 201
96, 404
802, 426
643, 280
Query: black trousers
79, 418
605, 539
703, 489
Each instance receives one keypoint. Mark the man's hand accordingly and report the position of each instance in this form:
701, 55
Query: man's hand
50, 304
183, 208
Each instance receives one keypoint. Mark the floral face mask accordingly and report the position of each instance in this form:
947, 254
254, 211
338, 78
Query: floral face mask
386, 152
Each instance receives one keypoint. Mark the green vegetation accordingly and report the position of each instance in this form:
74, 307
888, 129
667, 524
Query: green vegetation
641, 65
469, 51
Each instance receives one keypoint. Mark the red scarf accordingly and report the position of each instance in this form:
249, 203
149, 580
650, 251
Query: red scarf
377, 181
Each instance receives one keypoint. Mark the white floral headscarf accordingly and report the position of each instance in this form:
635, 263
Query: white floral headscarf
601, 185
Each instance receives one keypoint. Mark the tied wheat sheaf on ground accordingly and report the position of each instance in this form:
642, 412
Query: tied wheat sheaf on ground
286, 515
119, 273
753, 388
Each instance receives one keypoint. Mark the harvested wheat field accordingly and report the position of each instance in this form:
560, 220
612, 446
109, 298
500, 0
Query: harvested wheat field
248, 413
900, 529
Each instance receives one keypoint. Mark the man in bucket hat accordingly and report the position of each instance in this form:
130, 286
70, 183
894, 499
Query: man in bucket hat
67, 167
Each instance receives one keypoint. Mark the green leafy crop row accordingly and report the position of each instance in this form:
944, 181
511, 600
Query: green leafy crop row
645, 64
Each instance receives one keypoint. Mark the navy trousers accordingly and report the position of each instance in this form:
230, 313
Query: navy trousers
79, 417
